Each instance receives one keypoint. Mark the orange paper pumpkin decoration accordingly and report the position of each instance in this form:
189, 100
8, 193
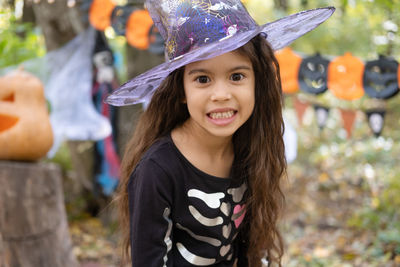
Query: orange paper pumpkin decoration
100, 14
345, 76
25, 130
289, 63
138, 29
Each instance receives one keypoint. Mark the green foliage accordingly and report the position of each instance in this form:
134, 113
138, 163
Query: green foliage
383, 215
18, 41
356, 26
76, 209
63, 158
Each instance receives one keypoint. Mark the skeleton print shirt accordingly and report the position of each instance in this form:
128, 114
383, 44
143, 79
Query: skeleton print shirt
181, 216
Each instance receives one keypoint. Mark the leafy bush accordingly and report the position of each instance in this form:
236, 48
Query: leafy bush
18, 41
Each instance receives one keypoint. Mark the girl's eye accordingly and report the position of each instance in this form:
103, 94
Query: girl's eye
237, 77
203, 79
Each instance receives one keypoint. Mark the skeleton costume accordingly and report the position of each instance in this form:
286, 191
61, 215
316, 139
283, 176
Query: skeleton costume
181, 216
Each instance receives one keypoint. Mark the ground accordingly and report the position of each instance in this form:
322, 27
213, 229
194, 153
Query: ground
315, 226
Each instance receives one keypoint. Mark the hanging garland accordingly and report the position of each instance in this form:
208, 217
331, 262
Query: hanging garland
347, 78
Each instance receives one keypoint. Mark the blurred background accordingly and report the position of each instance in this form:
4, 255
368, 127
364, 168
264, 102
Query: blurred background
342, 115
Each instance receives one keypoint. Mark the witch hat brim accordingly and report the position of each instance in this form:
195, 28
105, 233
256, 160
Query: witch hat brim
279, 34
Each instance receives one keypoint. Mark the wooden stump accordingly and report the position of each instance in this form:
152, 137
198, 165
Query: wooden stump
33, 223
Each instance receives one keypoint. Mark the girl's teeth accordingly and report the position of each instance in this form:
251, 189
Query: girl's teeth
222, 115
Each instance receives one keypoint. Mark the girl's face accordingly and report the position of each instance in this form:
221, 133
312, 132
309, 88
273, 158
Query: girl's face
219, 93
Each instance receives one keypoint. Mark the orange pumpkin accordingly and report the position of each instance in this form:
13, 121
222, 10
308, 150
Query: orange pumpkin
345, 76
289, 63
100, 14
25, 130
138, 29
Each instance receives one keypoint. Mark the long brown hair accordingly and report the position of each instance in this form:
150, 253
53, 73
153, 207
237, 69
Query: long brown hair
258, 145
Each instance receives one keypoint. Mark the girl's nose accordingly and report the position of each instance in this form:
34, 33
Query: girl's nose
221, 93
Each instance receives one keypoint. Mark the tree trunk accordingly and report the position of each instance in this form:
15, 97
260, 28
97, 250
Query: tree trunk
28, 16
2, 255
59, 23
138, 61
33, 222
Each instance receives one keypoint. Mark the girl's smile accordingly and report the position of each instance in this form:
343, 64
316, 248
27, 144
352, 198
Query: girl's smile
219, 93
222, 116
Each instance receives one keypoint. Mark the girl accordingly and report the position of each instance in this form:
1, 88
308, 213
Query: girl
200, 182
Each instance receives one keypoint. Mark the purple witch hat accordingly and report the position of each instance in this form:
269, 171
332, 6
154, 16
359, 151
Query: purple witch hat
202, 29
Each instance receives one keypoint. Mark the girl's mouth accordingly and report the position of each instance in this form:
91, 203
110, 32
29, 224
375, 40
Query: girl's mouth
221, 115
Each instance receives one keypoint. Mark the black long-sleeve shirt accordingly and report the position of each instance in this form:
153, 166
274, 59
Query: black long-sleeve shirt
181, 216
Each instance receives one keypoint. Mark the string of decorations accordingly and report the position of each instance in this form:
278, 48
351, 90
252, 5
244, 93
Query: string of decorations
346, 77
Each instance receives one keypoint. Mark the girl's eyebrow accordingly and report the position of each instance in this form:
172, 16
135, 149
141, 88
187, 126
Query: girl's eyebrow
242, 67
194, 71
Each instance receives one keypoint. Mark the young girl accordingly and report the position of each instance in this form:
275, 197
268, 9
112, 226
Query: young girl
200, 183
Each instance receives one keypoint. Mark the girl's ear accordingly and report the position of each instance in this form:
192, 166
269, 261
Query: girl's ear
184, 100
